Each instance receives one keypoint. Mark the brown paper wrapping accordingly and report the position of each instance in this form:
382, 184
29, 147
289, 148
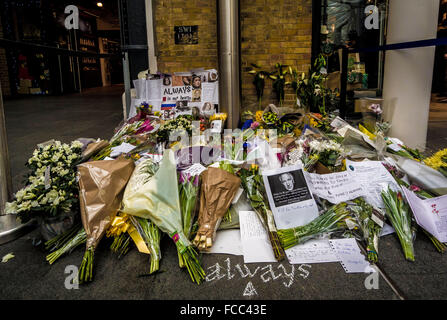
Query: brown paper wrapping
322, 169
101, 188
283, 142
94, 148
218, 189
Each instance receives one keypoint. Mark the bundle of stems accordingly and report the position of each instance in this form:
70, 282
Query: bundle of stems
85, 273
370, 230
189, 258
152, 236
72, 243
254, 187
121, 244
188, 195
333, 220
60, 240
398, 212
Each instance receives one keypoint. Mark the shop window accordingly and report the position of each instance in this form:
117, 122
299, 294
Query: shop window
343, 26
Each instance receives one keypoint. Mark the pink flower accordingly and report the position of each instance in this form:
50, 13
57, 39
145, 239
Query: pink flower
415, 188
254, 125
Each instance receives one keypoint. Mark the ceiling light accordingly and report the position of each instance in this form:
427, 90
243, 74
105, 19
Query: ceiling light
99, 4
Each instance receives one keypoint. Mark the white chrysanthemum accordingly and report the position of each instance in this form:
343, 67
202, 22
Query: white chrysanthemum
24, 206
11, 207
20, 194
52, 196
76, 144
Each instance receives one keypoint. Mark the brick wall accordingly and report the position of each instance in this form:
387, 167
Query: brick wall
177, 58
4, 75
271, 31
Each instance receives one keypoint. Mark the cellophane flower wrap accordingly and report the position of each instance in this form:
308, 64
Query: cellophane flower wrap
253, 185
158, 200
217, 190
147, 230
398, 212
101, 188
189, 194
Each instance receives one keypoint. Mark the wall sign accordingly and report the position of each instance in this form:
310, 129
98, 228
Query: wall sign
186, 34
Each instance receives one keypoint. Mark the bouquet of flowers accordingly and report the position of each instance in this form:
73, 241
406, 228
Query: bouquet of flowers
177, 125
301, 154
335, 219
218, 188
51, 187
310, 151
189, 194
398, 212
327, 151
370, 229
158, 200
101, 186
254, 187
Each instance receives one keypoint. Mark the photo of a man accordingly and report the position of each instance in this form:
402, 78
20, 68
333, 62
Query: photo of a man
288, 188
287, 181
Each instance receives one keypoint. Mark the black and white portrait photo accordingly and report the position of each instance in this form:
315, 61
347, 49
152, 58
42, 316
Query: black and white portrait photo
289, 188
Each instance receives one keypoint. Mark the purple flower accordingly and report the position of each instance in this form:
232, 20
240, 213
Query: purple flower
196, 181
181, 179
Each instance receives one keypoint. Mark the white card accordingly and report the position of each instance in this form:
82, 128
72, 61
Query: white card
256, 245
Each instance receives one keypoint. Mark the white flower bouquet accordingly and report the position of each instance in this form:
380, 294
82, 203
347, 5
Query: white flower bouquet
51, 187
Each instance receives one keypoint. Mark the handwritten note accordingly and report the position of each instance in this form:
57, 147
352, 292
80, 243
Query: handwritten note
122, 148
373, 177
195, 170
431, 214
313, 251
351, 258
256, 245
335, 187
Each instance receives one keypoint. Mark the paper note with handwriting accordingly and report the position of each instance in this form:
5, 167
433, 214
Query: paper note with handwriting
431, 214
312, 251
335, 187
373, 177
256, 245
351, 258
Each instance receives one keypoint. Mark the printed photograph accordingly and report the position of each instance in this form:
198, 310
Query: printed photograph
212, 76
167, 81
196, 95
196, 82
289, 188
182, 108
167, 112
